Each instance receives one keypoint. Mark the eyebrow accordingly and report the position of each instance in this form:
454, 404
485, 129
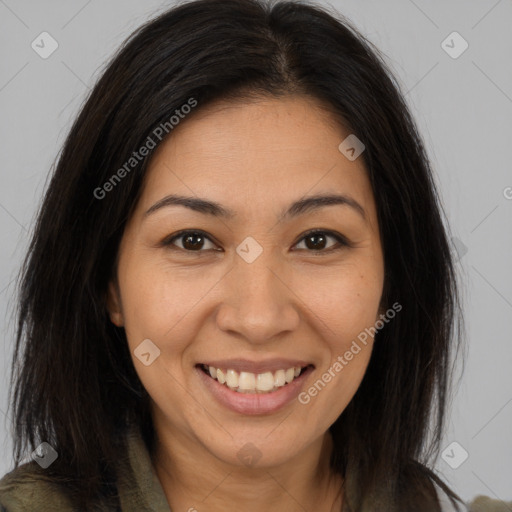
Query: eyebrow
304, 205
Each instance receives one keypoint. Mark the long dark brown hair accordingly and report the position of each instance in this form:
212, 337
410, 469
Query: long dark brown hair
73, 383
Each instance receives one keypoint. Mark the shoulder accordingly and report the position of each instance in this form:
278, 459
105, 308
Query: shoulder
477, 504
26, 488
485, 504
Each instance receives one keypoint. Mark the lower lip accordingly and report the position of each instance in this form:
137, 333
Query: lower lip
254, 403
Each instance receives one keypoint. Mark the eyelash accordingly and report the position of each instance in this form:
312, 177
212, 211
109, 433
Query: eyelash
342, 241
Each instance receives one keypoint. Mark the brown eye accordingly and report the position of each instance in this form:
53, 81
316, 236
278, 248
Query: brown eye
195, 240
318, 240
191, 241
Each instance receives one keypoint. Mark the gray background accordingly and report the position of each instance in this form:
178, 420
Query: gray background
463, 107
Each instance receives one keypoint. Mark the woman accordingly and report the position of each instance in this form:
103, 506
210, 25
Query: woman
240, 293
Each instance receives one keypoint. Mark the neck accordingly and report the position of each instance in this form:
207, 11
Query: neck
194, 480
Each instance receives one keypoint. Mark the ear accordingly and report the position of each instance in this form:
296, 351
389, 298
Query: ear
114, 304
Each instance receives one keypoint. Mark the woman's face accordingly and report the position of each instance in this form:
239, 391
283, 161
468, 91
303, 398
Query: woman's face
252, 295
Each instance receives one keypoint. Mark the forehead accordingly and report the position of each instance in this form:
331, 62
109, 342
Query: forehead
256, 153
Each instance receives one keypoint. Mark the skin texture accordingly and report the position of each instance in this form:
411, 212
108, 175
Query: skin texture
256, 158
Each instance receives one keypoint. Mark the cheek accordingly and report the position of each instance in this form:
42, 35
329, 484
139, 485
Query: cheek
156, 301
344, 301
345, 308
339, 378
158, 307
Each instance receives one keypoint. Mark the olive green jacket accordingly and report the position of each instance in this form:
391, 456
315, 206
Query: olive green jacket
138, 486
139, 489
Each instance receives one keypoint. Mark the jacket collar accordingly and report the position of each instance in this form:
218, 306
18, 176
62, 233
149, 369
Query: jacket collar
138, 484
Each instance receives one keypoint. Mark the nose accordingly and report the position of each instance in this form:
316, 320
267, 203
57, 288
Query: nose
259, 304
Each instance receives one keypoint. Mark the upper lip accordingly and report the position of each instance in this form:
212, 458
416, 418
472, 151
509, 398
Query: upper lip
246, 365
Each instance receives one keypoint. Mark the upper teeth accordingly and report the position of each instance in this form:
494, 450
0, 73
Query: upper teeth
246, 382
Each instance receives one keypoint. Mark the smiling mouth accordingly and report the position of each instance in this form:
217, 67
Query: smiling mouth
259, 383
